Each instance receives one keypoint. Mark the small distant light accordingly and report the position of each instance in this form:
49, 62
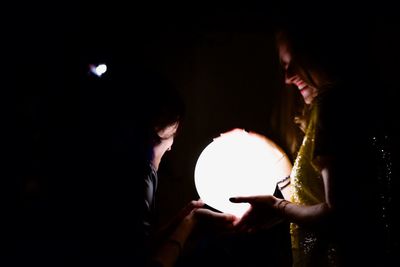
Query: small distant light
98, 69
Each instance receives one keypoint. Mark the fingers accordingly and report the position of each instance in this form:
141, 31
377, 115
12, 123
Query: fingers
218, 216
242, 199
254, 200
253, 221
194, 204
214, 221
232, 131
242, 222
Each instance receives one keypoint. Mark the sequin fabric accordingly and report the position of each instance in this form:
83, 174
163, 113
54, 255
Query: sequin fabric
381, 145
313, 248
309, 247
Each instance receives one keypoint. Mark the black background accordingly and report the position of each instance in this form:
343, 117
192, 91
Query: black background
221, 58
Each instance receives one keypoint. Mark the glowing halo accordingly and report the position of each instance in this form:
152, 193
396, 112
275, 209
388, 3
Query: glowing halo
239, 163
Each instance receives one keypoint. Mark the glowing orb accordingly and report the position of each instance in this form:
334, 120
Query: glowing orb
239, 163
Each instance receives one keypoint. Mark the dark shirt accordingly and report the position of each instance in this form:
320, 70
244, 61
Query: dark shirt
360, 147
150, 188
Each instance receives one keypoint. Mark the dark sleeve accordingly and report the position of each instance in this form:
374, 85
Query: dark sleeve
149, 192
137, 218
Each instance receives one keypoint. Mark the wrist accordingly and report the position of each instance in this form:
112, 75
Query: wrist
183, 229
280, 206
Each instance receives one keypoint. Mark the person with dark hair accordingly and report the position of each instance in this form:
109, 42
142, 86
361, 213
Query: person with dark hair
337, 197
145, 114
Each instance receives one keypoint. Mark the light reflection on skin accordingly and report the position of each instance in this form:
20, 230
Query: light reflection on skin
295, 75
167, 136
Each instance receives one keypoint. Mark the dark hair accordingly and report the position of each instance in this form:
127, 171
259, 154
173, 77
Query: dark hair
130, 104
166, 107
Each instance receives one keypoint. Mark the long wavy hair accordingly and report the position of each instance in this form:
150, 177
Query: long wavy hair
334, 52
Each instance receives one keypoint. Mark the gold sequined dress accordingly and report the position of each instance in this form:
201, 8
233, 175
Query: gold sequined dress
309, 247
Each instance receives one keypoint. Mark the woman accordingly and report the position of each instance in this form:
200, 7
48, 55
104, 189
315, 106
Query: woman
335, 197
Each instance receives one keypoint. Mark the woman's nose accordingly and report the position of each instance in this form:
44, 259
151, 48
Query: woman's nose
289, 74
288, 78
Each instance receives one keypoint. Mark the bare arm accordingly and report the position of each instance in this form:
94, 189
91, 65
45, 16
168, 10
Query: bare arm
302, 214
170, 249
265, 210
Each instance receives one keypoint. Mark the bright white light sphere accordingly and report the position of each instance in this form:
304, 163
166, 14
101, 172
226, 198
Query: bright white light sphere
239, 163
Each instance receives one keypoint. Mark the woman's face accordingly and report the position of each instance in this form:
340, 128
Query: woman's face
296, 75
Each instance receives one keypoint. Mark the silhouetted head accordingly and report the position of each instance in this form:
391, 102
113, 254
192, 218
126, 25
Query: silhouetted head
140, 108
